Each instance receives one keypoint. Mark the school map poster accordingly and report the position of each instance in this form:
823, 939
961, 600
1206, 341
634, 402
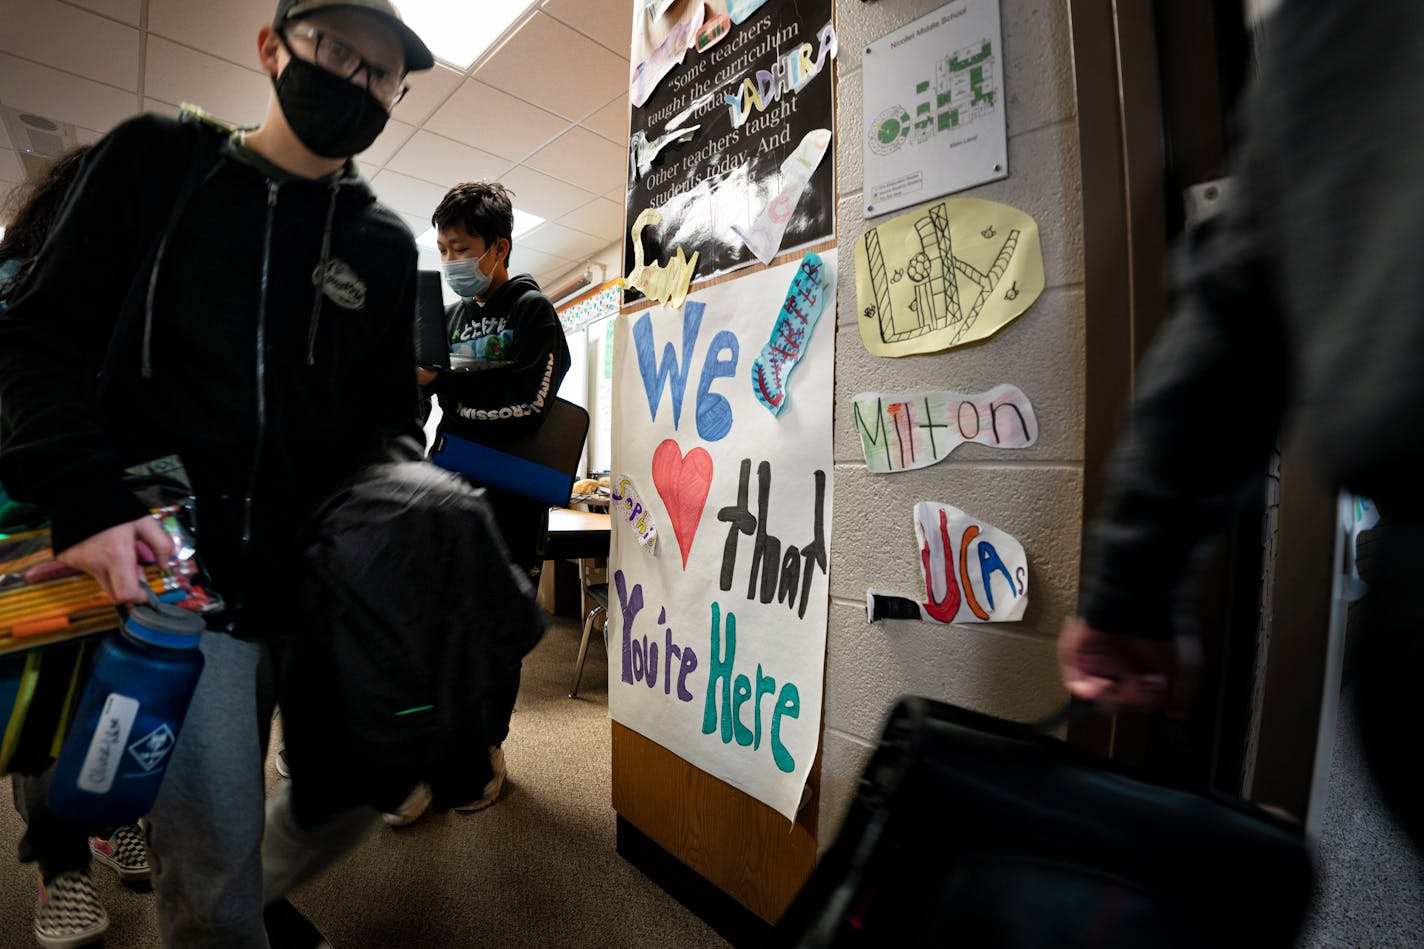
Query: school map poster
934, 107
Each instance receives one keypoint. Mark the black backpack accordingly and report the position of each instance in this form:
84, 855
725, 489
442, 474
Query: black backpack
974, 831
410, 613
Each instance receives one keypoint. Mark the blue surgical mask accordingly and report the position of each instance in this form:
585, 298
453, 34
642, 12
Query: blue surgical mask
465, 276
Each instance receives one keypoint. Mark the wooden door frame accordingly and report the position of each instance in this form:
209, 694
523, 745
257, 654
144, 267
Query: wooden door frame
1115, 67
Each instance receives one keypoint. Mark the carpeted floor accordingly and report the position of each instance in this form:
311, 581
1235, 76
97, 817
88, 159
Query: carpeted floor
537, 869
1370, 890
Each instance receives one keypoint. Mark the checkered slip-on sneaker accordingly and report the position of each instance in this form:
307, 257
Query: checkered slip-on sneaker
123, 852
68, 912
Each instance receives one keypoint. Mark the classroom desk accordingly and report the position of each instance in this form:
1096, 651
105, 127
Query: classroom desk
574, 535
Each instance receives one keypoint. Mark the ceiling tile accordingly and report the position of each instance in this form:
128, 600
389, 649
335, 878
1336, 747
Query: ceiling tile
557, 67
555, 278
495, 121
5, 137
610, 22
561, 241
427, 91
405, 194
126, 10
535, 262
10, 169
87, 136
224, 28
418, 224
618, 195
178, 74
611, 121
601, 218
386, 144
62, 96
582, 158
539, 194
162, 108
76, 41
445, 162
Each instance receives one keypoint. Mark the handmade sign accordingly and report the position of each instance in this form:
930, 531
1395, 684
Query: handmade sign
711, 145
666, 282
791, 335
763, 238
642, 151
953, 273
974, 573
908, 430
682, 481
739, 10
933, 107
626, 502
717, 645
648, 73
789, 74
712, 32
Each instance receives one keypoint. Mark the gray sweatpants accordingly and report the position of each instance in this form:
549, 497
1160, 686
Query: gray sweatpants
217, 858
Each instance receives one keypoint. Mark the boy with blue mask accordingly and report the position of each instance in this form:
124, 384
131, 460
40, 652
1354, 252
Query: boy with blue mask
508, 350
508, 357
246, 304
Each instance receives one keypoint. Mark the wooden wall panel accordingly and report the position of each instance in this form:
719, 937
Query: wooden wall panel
738, 843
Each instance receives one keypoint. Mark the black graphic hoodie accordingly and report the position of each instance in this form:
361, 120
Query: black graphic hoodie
520, 359
272, 352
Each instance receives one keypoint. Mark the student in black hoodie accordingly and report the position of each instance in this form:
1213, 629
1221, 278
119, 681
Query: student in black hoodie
241, 300
68, 910
1300, 315
508, 357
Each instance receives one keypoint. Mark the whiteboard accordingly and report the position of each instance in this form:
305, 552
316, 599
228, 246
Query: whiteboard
575, 385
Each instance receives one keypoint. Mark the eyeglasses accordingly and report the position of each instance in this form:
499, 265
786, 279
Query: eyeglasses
341, 60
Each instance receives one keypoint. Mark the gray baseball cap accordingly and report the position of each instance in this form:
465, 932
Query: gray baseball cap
417, 54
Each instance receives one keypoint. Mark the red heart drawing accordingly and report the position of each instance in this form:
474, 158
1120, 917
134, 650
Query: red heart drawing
682, 483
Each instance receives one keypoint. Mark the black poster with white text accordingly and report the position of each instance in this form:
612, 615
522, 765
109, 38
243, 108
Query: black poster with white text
732, 145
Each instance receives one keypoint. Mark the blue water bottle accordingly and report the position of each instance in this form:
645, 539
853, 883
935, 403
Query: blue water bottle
113, 760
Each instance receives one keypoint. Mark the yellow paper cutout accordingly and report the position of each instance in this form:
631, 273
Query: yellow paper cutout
990, 252
667, 282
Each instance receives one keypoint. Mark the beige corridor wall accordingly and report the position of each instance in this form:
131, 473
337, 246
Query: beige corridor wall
1034, 494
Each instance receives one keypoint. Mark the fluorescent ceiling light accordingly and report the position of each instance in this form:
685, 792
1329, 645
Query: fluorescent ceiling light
524, 222
458, 31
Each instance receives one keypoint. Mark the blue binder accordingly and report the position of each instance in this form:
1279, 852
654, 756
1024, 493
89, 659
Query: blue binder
541, 465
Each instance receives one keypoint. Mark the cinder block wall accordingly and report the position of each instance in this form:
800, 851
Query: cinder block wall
1034, 494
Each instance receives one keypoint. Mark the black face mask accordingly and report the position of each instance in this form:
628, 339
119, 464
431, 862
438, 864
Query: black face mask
331, 116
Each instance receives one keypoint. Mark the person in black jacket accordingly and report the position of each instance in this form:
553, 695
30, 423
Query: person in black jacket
241, 300
68, 908
1300, 309
508, 356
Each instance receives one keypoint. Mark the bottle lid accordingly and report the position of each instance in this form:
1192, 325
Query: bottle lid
161, 624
